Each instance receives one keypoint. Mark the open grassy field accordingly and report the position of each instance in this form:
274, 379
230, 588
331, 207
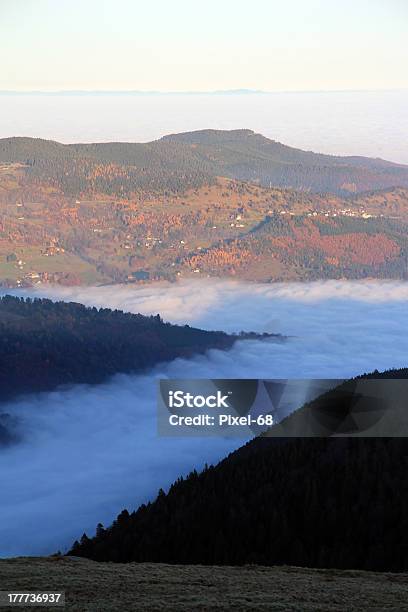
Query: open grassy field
34, 261
147, 587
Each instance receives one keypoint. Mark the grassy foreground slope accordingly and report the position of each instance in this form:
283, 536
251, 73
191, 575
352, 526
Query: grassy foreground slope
92, 587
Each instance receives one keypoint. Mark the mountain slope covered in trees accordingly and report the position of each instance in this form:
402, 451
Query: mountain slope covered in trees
182, 161
227, 229
245, 155
207, 203
315, 502
304, 247
45, 344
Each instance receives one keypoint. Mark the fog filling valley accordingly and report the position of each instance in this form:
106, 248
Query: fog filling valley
89, 451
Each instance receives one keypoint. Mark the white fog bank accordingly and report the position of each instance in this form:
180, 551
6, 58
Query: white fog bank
88, 452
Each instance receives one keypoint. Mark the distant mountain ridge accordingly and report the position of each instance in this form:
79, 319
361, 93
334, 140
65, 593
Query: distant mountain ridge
131, 92
181, 161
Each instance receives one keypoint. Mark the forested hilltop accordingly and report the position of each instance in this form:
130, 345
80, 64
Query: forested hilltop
45, 344
191, 159
314, 502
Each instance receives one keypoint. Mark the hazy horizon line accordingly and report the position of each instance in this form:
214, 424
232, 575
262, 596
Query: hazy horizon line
140, 92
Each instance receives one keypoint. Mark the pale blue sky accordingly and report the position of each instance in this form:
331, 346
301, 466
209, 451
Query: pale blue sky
181, 45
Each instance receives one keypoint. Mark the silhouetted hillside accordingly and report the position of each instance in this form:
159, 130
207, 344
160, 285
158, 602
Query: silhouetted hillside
316, 502
45, 344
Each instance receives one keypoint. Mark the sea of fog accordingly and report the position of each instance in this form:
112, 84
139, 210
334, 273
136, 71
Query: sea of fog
90, 451
344, 123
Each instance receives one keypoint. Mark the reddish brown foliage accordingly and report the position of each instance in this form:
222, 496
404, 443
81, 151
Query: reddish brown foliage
356, 248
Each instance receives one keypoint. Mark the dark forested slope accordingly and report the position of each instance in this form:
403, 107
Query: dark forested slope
316, 502
44, 344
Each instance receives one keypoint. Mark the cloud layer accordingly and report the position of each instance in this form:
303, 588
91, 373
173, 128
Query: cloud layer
89, 451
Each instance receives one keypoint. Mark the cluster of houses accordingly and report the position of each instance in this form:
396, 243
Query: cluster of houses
237, 222
36, 278
52, 250
345, 212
